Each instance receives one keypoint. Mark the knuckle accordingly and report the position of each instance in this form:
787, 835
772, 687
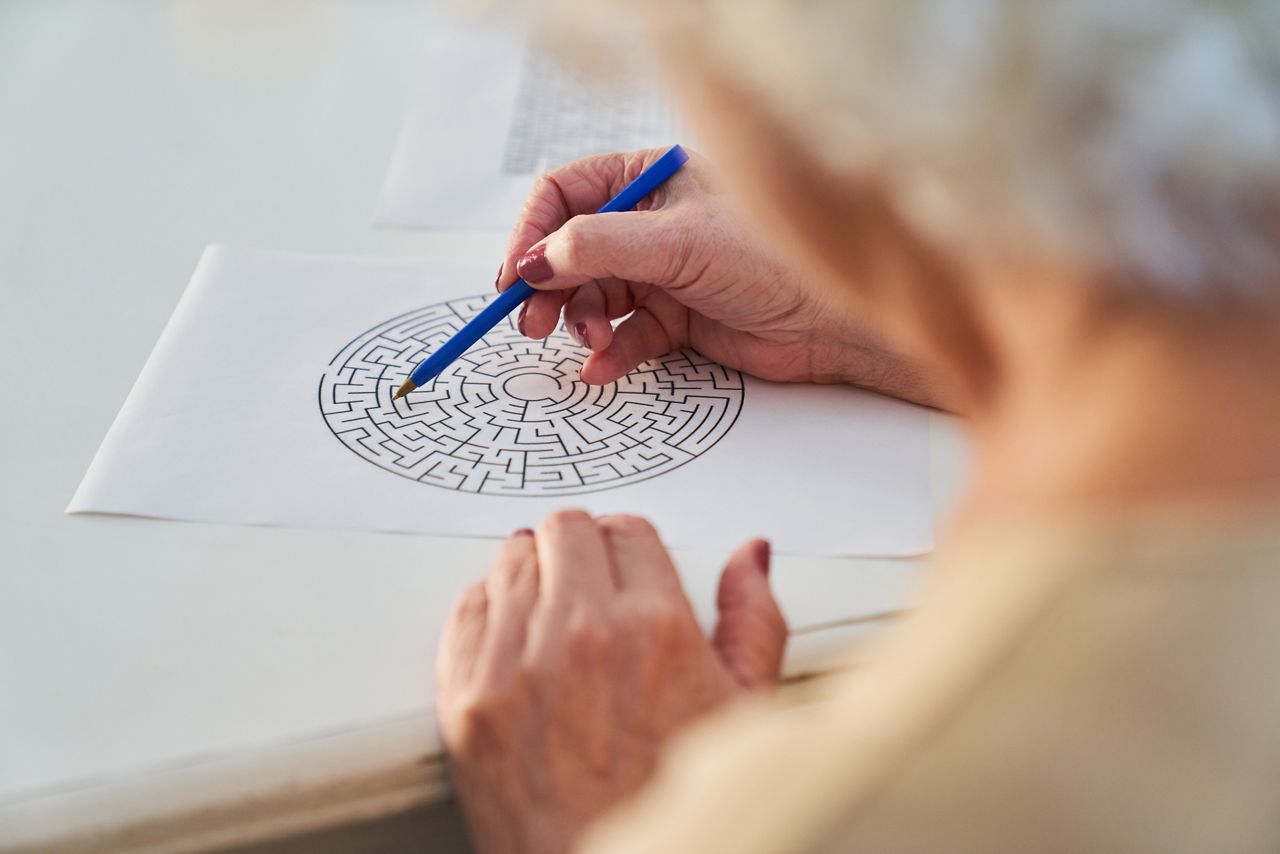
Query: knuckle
536, 669
543, 180
658, 617
571, 240
586, 631
630, 525
543, 204
531, 668
507, 572
477, 718
559, 520
468, 726
544, 184
514, 563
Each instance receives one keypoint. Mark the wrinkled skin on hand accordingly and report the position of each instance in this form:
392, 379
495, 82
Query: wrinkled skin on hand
688, 273
564, 673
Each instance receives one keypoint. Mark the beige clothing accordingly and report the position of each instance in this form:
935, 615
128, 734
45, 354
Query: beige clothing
1108, 687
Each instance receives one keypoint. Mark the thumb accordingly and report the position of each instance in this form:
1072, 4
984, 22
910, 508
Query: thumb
751, 632
641, 246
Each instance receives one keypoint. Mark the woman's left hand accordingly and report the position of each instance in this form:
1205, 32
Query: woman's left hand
563, 674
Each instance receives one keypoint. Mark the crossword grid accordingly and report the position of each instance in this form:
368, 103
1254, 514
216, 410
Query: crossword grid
559, 118
511, 418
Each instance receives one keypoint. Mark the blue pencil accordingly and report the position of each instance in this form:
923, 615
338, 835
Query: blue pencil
431, 367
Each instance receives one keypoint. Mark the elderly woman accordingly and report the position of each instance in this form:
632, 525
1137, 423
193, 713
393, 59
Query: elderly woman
1059, 220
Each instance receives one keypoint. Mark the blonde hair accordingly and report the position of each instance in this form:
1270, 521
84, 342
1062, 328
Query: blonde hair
1140, 138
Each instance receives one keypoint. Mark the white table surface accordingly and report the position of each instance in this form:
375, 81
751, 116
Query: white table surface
190, 685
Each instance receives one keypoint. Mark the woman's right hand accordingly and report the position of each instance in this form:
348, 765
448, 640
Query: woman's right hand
689, 274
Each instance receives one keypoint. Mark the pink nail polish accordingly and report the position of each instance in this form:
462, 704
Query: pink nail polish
498, 278
523, 532
533, 265
762, 551
580, 332
524, 309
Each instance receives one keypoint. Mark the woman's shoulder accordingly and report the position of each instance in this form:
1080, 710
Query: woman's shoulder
1111, 682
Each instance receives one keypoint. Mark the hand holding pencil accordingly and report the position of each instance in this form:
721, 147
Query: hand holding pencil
683, 271
626, 199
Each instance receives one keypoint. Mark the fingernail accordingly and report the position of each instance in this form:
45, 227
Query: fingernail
533, 265
498, 277
524, 309
762, 551
523, 532
580, 332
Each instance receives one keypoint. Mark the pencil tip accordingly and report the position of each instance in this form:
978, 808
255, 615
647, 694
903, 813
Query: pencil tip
404, 389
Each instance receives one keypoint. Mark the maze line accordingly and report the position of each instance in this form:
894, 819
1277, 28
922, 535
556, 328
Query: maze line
511, 418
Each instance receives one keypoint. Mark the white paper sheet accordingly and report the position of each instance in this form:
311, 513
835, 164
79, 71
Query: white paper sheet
467, 155
267, 401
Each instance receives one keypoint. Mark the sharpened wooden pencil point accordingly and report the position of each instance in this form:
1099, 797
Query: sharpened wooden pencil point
404, 389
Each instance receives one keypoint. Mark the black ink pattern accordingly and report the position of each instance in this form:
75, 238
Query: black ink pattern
511, 418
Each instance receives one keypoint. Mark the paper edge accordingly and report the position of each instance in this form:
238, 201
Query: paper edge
78, 498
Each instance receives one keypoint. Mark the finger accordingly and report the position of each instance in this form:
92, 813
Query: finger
642, 246
640, 561
461, 638
751, 633
620, 297
512, 591
573, 563
540, 314
580, 187
584, 317
637, 339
